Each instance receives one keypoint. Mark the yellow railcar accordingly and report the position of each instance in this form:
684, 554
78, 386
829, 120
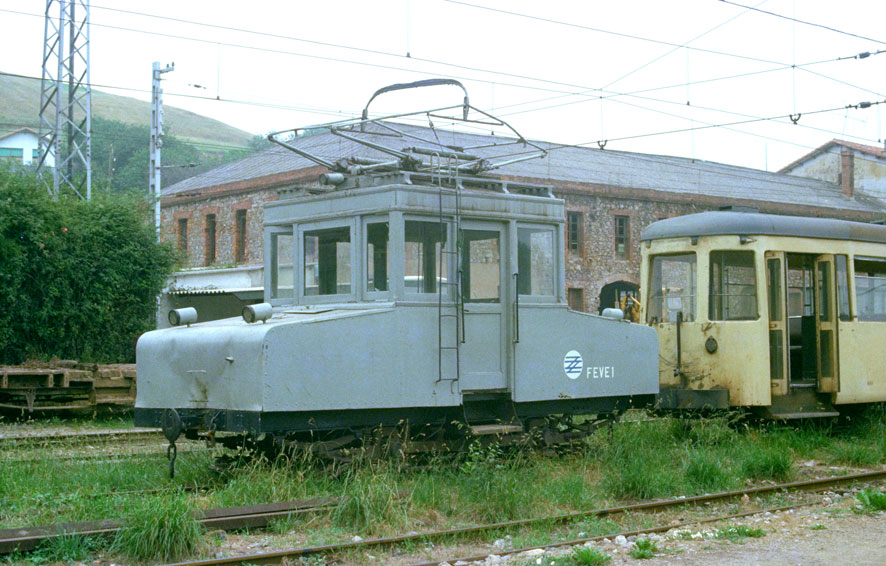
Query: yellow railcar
780, 313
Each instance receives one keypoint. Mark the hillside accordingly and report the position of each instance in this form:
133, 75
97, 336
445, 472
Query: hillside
20, 98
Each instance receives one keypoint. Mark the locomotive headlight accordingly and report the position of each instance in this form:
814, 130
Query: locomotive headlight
254, 313
182, 316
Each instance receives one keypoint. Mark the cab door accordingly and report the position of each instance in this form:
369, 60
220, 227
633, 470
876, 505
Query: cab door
484, 291
826, 324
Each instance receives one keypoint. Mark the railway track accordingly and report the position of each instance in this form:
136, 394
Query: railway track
77, 437
294, 553
230, 518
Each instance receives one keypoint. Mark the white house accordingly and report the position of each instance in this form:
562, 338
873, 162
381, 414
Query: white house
22, 146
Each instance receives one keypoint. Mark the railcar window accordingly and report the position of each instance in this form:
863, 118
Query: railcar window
773, 279
481, 266
870, 287
424, 244
535, 261
281, 266
377, 258
840, 262
733, 286
672, 288
327, 259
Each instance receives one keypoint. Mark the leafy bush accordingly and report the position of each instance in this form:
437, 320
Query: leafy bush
79, 279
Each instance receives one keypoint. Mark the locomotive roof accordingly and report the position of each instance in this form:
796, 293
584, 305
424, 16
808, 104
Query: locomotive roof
716, 223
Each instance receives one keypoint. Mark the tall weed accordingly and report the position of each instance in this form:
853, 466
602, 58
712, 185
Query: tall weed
160, 529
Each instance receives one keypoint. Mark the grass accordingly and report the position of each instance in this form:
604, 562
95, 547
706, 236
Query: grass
737, 533
639, 459
643, 548
66, 548
872, 499
370, 502
161, 530
581, 556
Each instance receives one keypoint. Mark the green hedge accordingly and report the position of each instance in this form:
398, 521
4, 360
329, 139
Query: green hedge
78, 280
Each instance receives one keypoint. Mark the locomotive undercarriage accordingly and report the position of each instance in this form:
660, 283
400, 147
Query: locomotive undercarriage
340, 436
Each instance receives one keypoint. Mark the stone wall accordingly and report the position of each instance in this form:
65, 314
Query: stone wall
225, 210
597, 264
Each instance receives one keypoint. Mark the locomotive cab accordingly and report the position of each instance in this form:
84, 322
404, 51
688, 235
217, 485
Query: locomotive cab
770, 312
413, 289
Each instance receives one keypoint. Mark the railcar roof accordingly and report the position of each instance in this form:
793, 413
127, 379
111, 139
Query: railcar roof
717, 223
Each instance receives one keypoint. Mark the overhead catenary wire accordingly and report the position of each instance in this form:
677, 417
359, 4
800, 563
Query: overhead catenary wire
822, 26
611, 95
389, 67
344, 114
682, 130
319, 111
671, 44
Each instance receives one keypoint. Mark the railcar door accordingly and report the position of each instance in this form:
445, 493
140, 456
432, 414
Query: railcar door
826, 323
484, 290
778, 322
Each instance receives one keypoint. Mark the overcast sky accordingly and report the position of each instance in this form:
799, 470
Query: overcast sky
542, 66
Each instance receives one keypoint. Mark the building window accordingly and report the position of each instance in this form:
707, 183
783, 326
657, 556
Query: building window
574, 224
240, 237
12, 152
182, 236
209, 244
575, 298
622, 237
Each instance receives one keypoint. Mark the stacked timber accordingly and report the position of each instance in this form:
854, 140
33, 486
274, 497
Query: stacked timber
65, 385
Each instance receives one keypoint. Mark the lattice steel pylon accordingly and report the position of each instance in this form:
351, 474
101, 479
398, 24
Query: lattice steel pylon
66, 98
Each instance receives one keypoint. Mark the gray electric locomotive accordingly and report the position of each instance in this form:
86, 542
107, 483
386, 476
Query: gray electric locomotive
407, 288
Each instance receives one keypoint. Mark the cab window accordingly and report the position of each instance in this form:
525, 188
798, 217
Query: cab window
327, 261
535, 261
281, 265
733, 286
672, 288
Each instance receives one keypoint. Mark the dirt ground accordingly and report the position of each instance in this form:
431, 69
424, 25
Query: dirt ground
830, 532
827, 535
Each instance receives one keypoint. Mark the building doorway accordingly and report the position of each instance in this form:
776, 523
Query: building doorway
617, 295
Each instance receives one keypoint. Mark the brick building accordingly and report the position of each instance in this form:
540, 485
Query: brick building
216, 217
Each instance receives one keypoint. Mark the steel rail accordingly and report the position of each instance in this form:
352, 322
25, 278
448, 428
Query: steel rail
229, 518
72, 436
277, 556
635, 532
